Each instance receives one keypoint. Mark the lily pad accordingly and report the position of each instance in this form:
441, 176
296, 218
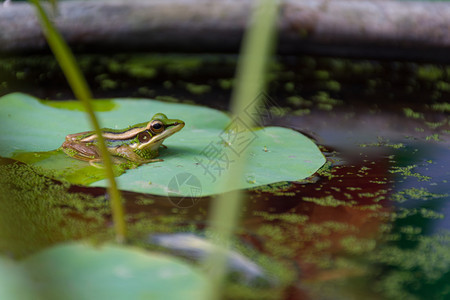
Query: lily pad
194, 163
78, 271
14, 281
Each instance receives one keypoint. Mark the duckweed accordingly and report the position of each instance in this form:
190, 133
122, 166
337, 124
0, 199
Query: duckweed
430, 73
406, 172
36, 212
329, 201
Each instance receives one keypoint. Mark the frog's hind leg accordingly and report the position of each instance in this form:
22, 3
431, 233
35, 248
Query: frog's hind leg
92, 160
80, 151
153, 160
94, 163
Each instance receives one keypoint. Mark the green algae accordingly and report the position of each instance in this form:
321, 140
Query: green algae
277, 237
443, 86
412, 114
328, 227
321, 74
414, 273
198, 89
226, 84
139, 71
328, 201
410, 230
357, 246
289, 86
415, 194
430, 73
442, 107
325, 102
109, 84
434, 125
429, 214
183, 65
433, 137
277, 187
106, 83
376, 197
326, 170
285, 217
281, 272
147, 66
363, 67
20, 75
407, 172
422, 212
298, 101
168, 84
332, 85
383, 143
393, 285
56, 164
301, 112
37, 213
145, 91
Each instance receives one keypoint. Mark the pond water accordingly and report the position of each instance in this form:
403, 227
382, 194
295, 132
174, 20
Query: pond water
373, 223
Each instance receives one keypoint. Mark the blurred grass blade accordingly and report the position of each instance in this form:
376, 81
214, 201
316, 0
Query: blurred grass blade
250, 81
81, 90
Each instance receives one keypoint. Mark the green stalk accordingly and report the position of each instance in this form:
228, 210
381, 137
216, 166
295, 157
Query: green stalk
250, 82
82, 92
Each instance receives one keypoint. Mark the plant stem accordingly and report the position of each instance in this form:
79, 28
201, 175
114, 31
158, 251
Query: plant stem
80, 88
250, 78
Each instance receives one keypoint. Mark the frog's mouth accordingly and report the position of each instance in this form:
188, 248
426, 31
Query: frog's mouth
157, 140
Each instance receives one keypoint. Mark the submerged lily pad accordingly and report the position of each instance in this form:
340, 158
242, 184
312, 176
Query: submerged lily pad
78, 271
194, 163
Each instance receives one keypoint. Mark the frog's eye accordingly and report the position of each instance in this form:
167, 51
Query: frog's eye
144, 137
157, 126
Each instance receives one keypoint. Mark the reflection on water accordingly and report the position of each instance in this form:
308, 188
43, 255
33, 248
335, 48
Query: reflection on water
396, 243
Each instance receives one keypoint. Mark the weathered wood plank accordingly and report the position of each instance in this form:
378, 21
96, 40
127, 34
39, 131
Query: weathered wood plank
352, 28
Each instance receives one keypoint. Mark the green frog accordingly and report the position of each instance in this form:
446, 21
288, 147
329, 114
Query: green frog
138, 144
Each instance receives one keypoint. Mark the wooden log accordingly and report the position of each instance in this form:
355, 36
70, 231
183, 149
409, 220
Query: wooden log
349, 28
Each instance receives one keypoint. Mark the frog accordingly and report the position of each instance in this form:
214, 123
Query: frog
138, 144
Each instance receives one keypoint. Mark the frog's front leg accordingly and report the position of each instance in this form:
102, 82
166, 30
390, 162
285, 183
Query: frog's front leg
137, 156
119, 160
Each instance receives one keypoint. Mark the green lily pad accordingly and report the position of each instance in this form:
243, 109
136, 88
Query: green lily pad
194, 163
78, 271
14, 281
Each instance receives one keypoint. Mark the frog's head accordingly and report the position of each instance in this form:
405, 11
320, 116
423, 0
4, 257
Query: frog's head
157, 130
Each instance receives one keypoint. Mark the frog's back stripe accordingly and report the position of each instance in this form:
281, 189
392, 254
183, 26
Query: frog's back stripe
111, 143
117, 135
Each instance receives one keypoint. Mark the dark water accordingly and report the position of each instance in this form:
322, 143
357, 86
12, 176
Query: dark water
373, 224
